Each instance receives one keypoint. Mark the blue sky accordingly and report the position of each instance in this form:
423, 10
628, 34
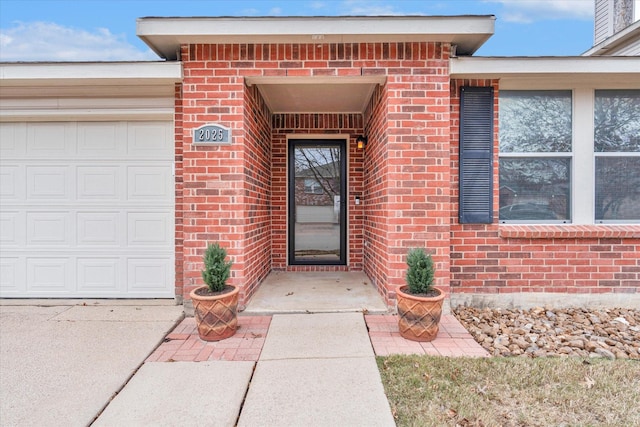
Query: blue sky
95, 30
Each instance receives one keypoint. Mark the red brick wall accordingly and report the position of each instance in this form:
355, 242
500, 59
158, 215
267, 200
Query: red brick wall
407, 180
257, 192
179, 191
498, 258
375, 198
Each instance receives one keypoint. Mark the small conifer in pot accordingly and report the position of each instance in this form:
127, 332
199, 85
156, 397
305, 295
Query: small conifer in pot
216, 269
420, 272
419, 303
215, 304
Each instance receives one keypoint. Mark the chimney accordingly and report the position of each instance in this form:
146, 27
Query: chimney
611, 16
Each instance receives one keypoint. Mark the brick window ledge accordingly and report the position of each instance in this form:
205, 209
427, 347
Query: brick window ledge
540, 231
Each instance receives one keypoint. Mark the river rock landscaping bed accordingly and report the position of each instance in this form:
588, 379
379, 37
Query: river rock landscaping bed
540, 332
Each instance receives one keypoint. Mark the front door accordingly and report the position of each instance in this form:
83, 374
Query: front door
317, 202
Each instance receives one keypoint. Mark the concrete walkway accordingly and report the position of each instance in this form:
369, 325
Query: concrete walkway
314, 369
62, 361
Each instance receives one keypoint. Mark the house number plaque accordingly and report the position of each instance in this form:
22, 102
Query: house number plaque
212, 134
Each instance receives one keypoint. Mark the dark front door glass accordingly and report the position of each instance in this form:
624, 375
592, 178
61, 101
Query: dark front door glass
317, 202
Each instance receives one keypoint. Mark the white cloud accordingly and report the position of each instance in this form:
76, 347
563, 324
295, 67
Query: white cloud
536, 10
47, 41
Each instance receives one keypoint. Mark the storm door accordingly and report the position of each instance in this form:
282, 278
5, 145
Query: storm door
317, 202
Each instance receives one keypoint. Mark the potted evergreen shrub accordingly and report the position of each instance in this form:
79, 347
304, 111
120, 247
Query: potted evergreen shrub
420, 302
216, 303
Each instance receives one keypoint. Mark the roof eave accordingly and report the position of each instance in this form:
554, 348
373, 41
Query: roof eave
618, 40
564, 71
97, 73
165, 35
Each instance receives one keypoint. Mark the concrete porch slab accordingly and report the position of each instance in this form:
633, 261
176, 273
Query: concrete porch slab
316, 292
181, 393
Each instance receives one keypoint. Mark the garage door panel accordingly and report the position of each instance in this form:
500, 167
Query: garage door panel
13, 140
99, 276
99, 183
49, 228
149, 183
99, 229
146, 275
12, 280
148, 140
50, 276
145, 228
101, 140
51, 140
48, 182
12, 182
12, 229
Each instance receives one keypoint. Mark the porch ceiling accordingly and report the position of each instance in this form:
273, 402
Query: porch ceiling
316, 95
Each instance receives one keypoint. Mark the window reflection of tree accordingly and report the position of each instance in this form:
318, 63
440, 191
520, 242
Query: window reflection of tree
321, 164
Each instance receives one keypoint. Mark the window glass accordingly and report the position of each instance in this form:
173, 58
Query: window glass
535, 189
535, 121
617, 121
617, 151
535, 156
617, 188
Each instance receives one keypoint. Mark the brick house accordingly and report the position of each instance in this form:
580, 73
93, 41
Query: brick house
513, 172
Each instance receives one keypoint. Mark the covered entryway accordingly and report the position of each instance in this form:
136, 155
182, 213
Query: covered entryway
87, 209
384, 80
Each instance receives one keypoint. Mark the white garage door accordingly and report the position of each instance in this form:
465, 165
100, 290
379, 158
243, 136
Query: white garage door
87, 209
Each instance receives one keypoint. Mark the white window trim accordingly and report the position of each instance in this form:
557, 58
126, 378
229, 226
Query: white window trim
583, 167
583, 151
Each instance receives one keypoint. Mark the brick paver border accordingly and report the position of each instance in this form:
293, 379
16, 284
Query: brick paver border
453, 340
183, 343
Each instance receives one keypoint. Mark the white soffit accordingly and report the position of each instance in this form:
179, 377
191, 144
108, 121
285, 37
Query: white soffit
89, 79
166, 35
316, 94
623, 72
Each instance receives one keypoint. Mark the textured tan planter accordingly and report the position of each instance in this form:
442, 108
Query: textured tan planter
216, 316
419, 317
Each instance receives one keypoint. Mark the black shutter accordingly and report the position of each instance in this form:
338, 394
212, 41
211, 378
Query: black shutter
476, 155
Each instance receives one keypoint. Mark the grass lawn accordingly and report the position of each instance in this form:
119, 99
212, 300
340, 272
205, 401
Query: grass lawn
440, 391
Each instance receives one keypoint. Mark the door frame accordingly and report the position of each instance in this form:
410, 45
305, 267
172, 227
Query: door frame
340, 141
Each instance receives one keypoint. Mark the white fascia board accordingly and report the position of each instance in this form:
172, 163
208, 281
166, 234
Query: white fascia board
624, 37
96, 73
165, 35
599, 71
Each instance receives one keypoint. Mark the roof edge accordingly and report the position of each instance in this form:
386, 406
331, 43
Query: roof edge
165, 35
98, 73
615, 41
